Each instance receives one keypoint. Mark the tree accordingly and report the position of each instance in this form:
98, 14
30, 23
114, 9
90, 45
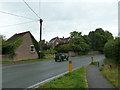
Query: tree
78, 42
98, 38
112, 50
75, 34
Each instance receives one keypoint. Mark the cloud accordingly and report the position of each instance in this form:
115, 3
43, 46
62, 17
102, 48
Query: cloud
61, 18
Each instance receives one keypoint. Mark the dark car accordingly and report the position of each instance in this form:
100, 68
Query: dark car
61, 57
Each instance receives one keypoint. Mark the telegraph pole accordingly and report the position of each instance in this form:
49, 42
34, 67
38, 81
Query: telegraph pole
41, 29
40, 34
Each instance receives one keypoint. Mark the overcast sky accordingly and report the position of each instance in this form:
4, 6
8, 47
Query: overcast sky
60, 17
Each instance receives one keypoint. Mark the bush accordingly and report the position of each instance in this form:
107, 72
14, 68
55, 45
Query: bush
9, 49
112, 50
50, 51
41, 54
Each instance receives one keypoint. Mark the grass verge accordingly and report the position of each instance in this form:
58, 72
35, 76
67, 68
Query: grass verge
76, 79
110, 71
50, 58
94, 63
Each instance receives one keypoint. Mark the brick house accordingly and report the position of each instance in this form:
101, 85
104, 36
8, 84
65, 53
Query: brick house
58, 41
28, 48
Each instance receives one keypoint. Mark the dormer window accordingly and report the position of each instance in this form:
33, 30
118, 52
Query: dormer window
32, 48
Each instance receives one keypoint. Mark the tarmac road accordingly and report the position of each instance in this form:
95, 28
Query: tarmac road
25, 75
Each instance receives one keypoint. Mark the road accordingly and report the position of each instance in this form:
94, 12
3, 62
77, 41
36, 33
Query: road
25, 75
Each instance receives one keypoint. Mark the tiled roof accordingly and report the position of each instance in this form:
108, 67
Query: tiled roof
16, 37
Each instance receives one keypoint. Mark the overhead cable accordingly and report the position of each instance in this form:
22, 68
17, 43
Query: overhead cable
17, 15
31, 9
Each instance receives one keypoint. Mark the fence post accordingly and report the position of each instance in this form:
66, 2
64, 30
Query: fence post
70, 66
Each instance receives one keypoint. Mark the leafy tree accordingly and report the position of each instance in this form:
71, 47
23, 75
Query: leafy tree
77, 44
63, 48
44, 45
75, 34
50, 51
87, 40
98, 38
112, 50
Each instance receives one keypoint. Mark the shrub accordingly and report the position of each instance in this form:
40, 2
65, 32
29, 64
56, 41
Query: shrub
9, 49
41, 54
112, 50
50, 51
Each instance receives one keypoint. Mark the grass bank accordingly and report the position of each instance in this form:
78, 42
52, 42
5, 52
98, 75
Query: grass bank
28, 60
110, 71
76, 79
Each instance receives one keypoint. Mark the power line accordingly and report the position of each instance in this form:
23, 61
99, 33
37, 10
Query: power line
5, 26
17, 15
31, 9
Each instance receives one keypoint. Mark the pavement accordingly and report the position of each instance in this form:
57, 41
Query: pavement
96, 79
25, 75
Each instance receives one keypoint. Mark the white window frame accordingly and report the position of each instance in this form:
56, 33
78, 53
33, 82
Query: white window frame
32, 48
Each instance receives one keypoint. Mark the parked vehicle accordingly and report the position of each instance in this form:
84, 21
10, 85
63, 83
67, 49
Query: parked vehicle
61, 57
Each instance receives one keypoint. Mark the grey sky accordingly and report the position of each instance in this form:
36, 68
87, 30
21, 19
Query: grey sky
60, 17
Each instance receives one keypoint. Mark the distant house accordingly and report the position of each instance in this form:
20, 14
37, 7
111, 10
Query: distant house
58, 41
28, 48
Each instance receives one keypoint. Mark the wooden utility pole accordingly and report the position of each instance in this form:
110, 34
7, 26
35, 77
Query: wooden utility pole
41, 29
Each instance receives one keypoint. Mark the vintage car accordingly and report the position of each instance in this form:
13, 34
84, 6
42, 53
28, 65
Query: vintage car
61, 57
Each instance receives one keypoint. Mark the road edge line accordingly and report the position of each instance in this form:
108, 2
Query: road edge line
47, 80
50, 79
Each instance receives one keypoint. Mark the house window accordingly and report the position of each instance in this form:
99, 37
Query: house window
32, 48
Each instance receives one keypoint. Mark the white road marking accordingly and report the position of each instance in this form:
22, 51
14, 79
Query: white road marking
47, 80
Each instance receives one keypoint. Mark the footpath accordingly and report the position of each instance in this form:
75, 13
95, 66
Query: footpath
96, 79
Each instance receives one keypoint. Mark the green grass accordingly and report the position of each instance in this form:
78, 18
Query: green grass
50, 58
94, 63
76, 79
110, 73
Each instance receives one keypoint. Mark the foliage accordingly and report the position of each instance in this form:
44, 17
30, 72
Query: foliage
63, 48
9, 49
78, 42
2, 42
76, 79
41, 54
112, 49
50, 51
17, 43
44, 45
111, 73
98, 38
94, 63
35, 44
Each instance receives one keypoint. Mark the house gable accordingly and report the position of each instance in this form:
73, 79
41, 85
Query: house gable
24, 50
